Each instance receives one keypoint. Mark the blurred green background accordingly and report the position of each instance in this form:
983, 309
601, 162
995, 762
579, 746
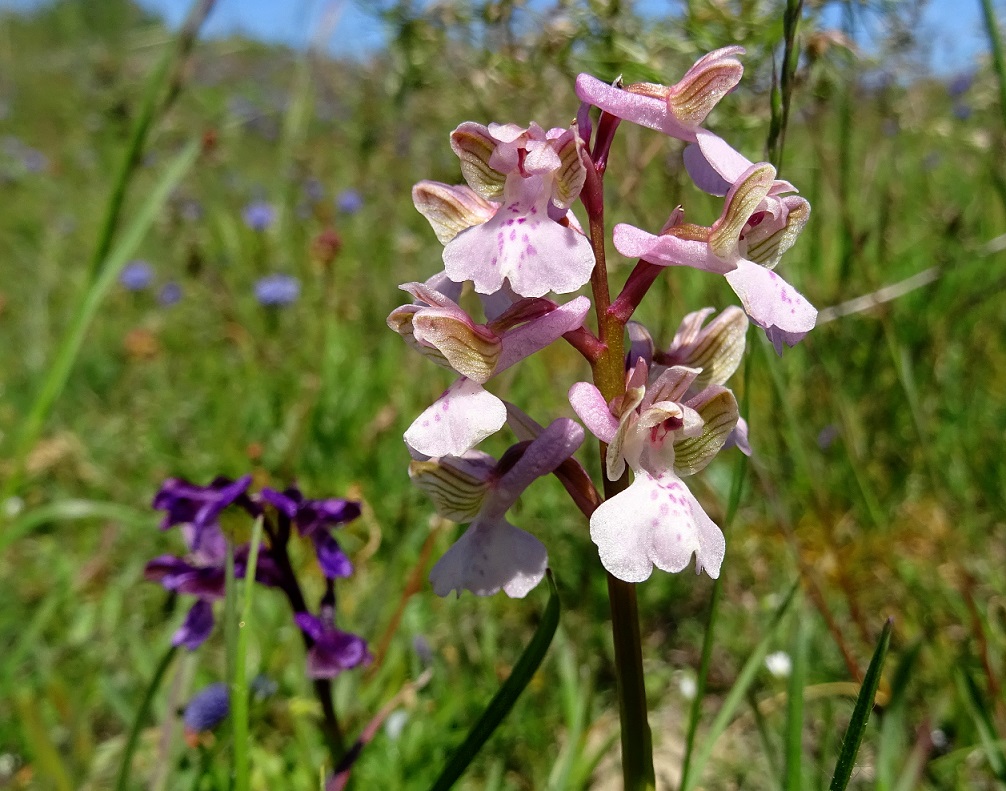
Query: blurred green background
878, 475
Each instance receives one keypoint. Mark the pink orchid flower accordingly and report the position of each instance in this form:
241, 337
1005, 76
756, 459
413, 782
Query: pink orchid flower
662, 435
493, 554
532, 240
437, 327
756, 227
678, 110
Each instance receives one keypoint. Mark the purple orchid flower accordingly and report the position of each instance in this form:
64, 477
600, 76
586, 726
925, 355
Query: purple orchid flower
197, 508
314, 519
677, 110
531, 240
662, 434
493, 554
333, 650
438, 328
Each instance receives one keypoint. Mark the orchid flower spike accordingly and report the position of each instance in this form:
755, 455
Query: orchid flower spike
436, 326
678, 110
493, 554
522, 181
662, 434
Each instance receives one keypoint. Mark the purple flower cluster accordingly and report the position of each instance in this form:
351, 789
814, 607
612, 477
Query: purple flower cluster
198, 511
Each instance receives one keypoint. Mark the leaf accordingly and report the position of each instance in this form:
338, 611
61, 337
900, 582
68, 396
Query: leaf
861, 713
507, 694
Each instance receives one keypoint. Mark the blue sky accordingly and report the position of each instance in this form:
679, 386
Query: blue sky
954, 26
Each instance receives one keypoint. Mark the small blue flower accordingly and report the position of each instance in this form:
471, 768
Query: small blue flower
170, 294
349, 201
259, 215
277, 290
136, 276
960, 84
962, 111
208, 708
314, 190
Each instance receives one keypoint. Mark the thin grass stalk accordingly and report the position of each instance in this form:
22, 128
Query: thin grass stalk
998, 56
794, 708
73, 339
861, 713
155, 103
505, 698
126, 764
782, 87
239, 684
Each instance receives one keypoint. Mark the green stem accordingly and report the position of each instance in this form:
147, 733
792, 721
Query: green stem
141, 715
609, 377
239, 684
998, 58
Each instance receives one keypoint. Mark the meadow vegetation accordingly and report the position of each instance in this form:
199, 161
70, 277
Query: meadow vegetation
876, 485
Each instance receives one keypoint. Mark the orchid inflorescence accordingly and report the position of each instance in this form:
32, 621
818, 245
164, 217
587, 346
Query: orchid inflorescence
205, 516
661, 412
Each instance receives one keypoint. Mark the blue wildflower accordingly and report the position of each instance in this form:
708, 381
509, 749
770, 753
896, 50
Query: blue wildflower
349, 201
136, 276
960, 84
207, 709
259, 215
277, 290
170, 294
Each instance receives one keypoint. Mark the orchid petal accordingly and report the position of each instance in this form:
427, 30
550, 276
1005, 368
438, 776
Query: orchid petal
551, 448
716, 349
571, 173
460, 419
742, 201
717, 407
451, 209
704, 84
475, 145
655, 522
197, 626
667, 249
772, 304
592, 409
524, 340
490, 556
643, 109
766, 242
521, 244
471, 349
457, 484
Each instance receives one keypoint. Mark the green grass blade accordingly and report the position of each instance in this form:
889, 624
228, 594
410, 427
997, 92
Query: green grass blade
66, 354
737, 693
861, 713
69, 511
794, 708
998, 57
125, 766
507, 694
978, 708
239, 685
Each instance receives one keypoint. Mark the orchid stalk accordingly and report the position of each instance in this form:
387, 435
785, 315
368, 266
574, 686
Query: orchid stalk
659, 415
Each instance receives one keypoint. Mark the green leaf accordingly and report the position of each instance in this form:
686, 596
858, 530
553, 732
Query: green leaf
978, 709
861, 714
504, 699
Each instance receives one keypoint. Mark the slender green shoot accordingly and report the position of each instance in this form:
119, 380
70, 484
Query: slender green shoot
66, 354
861, 713
998, 56
126, 764
239, 684
504, 699
794, 708
977, 705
